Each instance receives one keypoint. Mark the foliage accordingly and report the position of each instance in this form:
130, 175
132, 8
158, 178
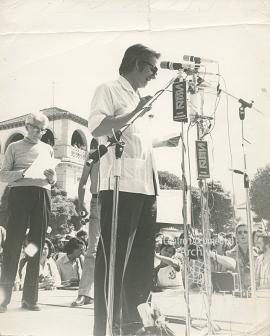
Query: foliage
63, 209
260, 193
220, 208
168, 180
219, 202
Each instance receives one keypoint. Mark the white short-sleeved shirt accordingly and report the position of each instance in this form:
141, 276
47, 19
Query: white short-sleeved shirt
138, 170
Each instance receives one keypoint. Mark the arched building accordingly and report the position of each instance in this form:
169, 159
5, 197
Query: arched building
67, 133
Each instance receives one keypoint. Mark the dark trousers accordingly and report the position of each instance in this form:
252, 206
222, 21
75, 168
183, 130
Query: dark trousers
136, 228
27, 206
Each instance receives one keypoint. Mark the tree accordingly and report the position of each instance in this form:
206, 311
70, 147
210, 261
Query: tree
260, 193
219, 202
220, 208
168, 180
63, 209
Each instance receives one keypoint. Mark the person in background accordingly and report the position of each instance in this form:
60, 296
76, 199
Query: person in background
262, 264
70, 264
49, 277
2, 241
86, 287
167, 273
255, 235
28, 203
240, 253
237, 259
113, 106
83, 235
59, 242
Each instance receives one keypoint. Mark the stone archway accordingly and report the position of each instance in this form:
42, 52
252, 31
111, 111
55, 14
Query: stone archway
13, 138
78, 140
48, 137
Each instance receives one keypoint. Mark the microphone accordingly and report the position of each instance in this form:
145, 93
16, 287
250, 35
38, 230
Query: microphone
97, 154
174, 66
198, 60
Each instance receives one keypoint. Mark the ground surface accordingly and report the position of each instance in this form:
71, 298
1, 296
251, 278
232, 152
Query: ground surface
234, 316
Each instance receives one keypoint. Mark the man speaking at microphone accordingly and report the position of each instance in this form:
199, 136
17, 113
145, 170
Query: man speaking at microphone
113, 106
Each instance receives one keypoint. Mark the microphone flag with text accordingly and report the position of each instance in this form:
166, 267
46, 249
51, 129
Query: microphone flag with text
203, 168
179, 94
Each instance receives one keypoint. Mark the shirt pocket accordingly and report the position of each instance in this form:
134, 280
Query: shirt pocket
134, 169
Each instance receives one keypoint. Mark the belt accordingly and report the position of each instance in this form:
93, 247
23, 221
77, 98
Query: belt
94, 195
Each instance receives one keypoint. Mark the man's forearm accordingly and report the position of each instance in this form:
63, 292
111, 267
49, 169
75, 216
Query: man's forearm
81, 194
113, 122
11, 176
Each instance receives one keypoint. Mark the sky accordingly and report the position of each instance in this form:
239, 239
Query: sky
57, 53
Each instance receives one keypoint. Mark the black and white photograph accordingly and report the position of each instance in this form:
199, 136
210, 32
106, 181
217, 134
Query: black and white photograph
134, 167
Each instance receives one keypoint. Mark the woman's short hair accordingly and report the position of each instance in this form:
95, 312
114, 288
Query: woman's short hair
50, 247
37, 117
136, 53
73, 244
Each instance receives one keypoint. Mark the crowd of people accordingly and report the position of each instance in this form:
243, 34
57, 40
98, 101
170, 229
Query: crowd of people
142, 264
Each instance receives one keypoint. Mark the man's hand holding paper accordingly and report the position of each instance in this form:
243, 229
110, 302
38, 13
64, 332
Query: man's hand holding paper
43, 167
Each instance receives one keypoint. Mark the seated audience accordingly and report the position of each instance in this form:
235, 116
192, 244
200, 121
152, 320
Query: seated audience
49, 277
262, 264
83, 235
167, 273
237, 259
71, 262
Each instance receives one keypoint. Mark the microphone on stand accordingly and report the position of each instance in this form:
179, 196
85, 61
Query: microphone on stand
198, 60
97, 154
175, 66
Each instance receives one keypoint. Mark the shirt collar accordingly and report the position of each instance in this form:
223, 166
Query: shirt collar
66, 260
126, 85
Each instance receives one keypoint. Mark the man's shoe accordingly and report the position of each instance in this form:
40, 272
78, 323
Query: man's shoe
30, 306
81, 301
3, 309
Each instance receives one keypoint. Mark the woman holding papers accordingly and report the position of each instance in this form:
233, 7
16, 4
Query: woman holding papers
28, 205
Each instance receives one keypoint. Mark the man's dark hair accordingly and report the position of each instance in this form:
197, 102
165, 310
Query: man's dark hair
168, 246
265, 238
136, 53
73, 244
81, 233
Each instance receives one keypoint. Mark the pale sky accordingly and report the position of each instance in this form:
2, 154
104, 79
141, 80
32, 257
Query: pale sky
235, 33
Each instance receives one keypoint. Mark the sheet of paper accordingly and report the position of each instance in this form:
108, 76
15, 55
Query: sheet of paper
42, 162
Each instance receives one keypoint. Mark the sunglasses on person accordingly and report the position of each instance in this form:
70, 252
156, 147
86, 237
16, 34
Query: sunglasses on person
40, 130
240, 232
153, 68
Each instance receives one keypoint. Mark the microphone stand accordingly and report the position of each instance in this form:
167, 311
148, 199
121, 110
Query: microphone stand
196, 94
184, 215
242, 109
95, 157
119, 148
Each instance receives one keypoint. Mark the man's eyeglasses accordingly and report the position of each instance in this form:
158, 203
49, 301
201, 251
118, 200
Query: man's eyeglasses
40, 130
240, 232
153, 68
